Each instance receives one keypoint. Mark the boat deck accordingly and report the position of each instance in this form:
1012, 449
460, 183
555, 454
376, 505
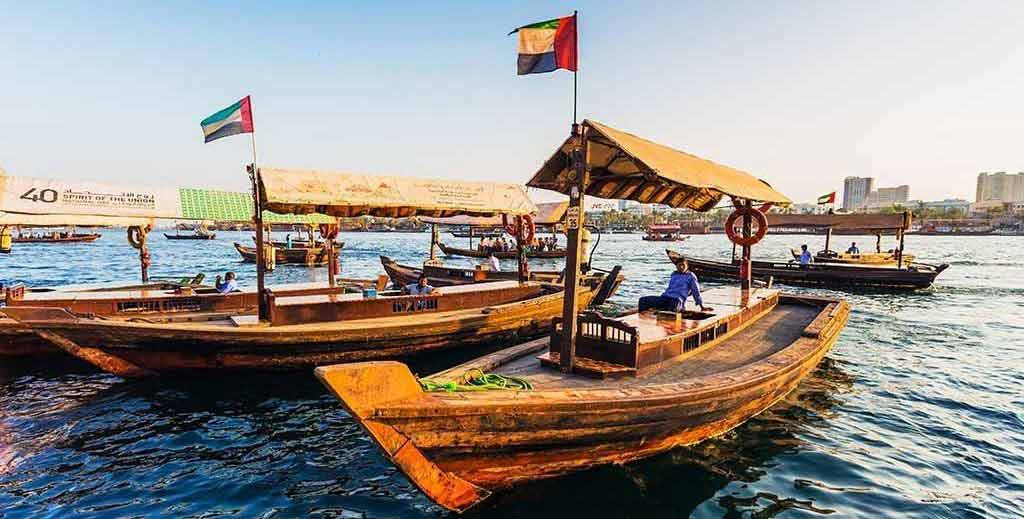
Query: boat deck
772, 333
438, 291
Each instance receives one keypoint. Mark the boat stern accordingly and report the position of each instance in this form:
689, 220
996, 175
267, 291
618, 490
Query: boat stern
366, 387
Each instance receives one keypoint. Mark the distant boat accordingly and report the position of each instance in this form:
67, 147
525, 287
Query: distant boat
196, 236
56, 238
511, 254
311, 256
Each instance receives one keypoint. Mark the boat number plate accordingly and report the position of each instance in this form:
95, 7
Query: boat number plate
572, 218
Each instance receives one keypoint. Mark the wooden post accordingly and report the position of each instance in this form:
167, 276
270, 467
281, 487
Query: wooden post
574, 226
745, 280
522, 266
144, 259
899, 254
433, 242
828, 238
878, 242
254, 174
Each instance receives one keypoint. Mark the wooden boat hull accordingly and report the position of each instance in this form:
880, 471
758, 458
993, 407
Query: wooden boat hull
190, 236
821, 275
312, 256
402, 275
460, 447
471, 253
78, 238
217, 345
867, 258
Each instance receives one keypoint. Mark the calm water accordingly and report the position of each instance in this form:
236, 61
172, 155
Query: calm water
918, 411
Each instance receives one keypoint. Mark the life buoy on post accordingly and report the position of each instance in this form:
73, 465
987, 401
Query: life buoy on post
757, 218
137, 239
529, 228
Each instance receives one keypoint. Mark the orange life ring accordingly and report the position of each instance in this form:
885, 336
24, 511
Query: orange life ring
137, 236
758, 218
529, 228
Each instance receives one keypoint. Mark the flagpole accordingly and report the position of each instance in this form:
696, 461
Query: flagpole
575, 88
263, 311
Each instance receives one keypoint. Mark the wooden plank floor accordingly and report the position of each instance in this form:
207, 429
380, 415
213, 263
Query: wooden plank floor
773, 332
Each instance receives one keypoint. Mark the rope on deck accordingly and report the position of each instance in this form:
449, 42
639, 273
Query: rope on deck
476, 380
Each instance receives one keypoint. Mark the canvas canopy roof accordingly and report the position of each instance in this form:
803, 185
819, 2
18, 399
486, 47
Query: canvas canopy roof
626, 167
848, 222
346, 195
548, 213
79, 203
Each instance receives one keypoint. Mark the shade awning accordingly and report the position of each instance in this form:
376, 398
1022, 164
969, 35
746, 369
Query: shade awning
626, 167
548, 213
845, 222
347, 195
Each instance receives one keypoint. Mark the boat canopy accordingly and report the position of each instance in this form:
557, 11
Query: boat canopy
548, 213
846, 222
347, 195
626, 167
78, 203
664, 227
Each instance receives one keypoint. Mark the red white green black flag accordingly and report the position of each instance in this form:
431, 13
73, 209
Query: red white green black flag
827, 199
547, 46
232, 120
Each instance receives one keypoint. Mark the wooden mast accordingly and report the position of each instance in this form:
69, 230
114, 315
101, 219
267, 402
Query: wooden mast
574, 225
521, 264
254, 174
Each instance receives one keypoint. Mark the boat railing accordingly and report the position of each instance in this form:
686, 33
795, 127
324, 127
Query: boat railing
14, 292
600, 338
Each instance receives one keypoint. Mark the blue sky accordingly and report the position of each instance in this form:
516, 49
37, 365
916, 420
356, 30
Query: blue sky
798, 93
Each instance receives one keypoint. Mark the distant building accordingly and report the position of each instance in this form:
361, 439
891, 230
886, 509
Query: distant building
999, 187
856, 191
941, 205
887, 197
628, 205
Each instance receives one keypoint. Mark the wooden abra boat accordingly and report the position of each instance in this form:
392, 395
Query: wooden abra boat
402, 275
54, 238
910, 277
651, 384
195, 236
599, 390
473, 253
664, 232
312, 256
315, 326
864, 258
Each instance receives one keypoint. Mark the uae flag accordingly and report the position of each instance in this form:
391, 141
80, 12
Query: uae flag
547, 46
827, 199
232, 120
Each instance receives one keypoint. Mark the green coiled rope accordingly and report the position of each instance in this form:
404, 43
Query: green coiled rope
476, 380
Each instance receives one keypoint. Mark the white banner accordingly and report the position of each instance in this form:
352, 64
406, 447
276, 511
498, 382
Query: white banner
29, 195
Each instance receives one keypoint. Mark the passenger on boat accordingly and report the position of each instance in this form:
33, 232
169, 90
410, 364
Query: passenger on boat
420, 288
681, 285
493, 262
228, 284
853, 249
805, 256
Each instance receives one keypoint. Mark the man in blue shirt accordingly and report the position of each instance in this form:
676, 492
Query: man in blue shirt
228, 285
681, 285
853, 249
805, 256
420, 288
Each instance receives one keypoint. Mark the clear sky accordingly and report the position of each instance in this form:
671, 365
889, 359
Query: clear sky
801, 94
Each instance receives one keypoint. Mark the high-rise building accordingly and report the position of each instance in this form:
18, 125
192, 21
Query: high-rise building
888, 197
856, 191
1000, 187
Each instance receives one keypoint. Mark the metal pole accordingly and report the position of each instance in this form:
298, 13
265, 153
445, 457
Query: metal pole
575, 89
745, 281
433, 241
574, 226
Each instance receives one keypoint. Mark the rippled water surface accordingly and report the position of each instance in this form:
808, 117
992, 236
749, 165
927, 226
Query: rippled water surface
917, 411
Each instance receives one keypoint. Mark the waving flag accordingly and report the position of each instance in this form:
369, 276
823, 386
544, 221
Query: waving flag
232, 120
827, 199
547, 46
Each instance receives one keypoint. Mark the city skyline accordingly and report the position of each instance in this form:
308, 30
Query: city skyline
432, 91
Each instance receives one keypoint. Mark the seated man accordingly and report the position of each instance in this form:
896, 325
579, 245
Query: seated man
805, 256
853, 249
420, 288
493, 262
228, 284
681, 285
